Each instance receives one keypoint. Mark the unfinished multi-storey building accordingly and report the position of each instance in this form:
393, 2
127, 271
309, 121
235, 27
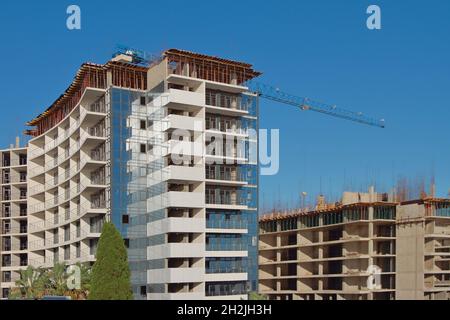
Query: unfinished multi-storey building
365, 247
162, 148
13, 216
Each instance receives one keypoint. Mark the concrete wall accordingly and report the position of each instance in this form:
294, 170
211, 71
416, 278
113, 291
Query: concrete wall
410, 252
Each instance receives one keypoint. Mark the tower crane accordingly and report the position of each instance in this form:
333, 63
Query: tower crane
275, 94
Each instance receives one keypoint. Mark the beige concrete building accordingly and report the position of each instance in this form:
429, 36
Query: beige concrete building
365, 247
13, 216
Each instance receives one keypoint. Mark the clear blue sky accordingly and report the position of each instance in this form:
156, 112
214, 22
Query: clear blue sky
319, 49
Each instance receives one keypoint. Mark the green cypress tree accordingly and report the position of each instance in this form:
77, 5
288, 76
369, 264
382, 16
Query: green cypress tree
110, 274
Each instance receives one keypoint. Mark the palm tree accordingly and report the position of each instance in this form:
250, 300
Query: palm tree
58, 279
31, 282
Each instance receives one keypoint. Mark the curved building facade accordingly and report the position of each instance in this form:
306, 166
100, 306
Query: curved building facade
167, 152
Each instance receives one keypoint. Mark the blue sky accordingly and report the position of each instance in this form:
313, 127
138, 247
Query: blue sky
319, 49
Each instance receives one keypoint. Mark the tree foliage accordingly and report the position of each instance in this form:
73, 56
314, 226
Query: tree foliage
110, 274
256, 296
34, 283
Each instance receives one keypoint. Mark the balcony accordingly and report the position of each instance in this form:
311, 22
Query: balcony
227, 246
185, 173
179, 199
176, 250
226, 289
176, 275
220, 176
187, 148
98, 106
227, 101
214, 200
173, 225
176, 296
97, 131
226, 224
174, 121
185, 98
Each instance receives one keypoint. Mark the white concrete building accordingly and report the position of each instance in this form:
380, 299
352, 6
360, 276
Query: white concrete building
163, 150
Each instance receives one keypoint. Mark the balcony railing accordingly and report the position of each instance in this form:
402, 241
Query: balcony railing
223, 199
226, 246
226, 289
226, 224
224, 100
98, 106
226, 269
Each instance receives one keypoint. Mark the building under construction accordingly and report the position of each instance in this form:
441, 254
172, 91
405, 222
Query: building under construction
138, 141
369, 246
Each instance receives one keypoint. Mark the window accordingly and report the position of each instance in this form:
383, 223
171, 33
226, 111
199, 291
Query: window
23, 209
77, 250
23, 193
5, 292
67, 253
143, 125
143, 102
126, 242
125, 218
143, 290
23, 159
6, 276
143, 148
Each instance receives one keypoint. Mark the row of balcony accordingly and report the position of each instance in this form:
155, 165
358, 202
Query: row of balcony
95, 108
69, 173
19, 247
67, 154
7, 213
65, 238
6, 179
14, 230
94, 131
57, 200
22, 161
6, 263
